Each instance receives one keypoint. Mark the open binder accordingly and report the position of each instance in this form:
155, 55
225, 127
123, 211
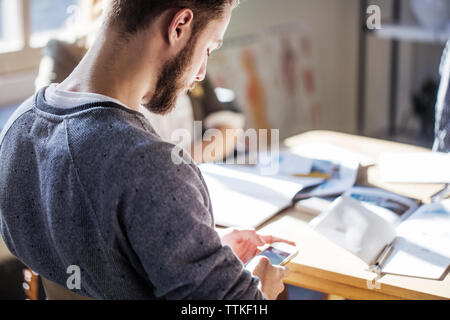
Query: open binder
415, 245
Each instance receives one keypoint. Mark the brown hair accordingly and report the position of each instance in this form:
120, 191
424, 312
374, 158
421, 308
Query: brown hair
131, 16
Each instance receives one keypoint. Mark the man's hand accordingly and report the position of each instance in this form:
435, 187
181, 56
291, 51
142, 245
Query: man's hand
271, 277
245, 243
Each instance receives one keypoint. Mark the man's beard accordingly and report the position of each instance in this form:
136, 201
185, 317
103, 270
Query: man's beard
170, 84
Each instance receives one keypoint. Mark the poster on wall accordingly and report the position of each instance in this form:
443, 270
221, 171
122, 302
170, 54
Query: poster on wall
274, 77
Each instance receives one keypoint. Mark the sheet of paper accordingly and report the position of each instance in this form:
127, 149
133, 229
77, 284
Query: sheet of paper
422, 247
389, 206
426, 167
314, 205
242, 197
291, 164
331, 152
352, 226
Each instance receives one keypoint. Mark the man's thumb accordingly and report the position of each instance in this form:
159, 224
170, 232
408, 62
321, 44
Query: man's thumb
285, 272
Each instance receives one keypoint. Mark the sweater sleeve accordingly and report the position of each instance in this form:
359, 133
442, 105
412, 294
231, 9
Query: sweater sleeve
171, 229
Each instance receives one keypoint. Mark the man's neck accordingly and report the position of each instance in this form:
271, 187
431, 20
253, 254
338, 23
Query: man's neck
115, 71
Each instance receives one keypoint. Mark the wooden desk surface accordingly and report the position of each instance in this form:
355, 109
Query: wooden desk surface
4, 252
326, 267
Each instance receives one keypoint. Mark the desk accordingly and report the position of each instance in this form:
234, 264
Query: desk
4, 252
325, 267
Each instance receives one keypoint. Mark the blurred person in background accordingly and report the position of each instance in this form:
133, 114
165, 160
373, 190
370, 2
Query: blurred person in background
61, 56
442, 128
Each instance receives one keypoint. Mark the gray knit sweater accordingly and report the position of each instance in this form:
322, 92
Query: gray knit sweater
95, 187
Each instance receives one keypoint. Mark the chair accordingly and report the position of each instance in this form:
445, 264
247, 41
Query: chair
52, 290
31, 284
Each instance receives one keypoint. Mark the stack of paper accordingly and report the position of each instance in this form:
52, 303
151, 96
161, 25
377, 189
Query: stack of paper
419, 167
346, 162
247, 196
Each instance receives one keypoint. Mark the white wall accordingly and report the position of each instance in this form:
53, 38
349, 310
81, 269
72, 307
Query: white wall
417, 62
334, 24
377, 78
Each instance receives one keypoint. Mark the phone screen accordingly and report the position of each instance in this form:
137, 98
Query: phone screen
275, 256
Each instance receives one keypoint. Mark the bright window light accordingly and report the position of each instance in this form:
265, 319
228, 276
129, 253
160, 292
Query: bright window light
10, 32
1, 20
225, 95
48, 18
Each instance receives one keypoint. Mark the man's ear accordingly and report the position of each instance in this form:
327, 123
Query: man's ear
180, 26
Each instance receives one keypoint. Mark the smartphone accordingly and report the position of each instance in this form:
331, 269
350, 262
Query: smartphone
280, 253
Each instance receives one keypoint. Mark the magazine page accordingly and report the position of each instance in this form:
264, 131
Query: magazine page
341, 166
292, 165
422, 248
242, 197
389, 206
351, 225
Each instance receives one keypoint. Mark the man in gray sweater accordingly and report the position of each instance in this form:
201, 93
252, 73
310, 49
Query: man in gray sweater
88, 189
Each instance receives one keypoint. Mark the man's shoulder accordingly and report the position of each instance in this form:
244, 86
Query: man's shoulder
21, 110
110, 129
111, 124
125, 157
124, 141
